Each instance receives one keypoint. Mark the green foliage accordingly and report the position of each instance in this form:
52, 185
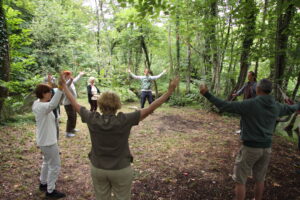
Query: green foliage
125, 94
188, 99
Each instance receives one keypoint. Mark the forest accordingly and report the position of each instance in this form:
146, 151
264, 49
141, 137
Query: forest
213, 41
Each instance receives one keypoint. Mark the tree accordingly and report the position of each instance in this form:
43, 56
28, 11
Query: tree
285, 11
249, 11
4, 57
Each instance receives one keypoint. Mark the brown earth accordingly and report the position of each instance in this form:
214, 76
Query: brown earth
179, 154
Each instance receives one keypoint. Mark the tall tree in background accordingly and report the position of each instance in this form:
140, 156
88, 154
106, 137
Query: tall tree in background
285, 13
4, 57
249, 11
215, 85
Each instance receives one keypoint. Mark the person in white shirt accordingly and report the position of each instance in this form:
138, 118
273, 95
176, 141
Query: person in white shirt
93, 93
71, 113
46, 138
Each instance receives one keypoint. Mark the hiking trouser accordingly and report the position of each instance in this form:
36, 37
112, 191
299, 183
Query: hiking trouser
117, 182
72, 117
50, 167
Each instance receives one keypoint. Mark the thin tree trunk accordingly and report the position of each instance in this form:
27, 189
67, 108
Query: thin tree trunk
226, 42
215, 85
147, 62
188, 72
262, 31
170, 50
282, 35
98, 5
177, 50
250, 18
4, 57
296, 87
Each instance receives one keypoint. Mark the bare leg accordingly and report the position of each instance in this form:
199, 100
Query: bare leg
240, 191
259, 190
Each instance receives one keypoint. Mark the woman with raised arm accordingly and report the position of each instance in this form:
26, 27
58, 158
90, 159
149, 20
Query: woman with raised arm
109, 131
146, 85
47, 139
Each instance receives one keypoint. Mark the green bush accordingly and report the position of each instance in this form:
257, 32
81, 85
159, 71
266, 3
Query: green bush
188, 99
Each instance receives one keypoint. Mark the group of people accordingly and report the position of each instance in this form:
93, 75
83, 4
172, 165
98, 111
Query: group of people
110, 155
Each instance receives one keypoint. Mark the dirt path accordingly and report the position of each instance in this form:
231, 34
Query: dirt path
179, 154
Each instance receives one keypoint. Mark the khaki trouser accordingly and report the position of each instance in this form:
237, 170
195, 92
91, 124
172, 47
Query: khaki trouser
50, 167
107, 182
249, 159
72, 117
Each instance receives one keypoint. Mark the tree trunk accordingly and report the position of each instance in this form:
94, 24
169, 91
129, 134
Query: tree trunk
148, 63
170, 51
177, 51
226, 41
98, 5
215, 85
296, 87
4, 57
262, 31
188, 70
282, 35
249, 33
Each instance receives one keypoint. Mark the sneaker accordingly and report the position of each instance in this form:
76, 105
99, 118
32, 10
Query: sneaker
43, 187
55, 194
75, 130
70, 134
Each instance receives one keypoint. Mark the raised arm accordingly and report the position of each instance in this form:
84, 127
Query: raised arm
133, 75
226, 106
288, 109
78, 77
53, 103
63, 85
147, 111
158, 76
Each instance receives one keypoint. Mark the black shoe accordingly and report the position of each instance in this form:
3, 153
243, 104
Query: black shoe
55, 195
43, 187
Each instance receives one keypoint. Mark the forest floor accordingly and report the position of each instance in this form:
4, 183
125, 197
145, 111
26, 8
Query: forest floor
179, 154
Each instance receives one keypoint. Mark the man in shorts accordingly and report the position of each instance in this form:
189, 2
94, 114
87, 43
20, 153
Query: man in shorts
258, 118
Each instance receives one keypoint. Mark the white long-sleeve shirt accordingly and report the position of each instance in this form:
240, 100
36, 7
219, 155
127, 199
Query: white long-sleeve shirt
45, 120
72, 90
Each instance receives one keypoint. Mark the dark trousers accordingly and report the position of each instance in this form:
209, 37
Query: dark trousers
93, 104
72, 117
146, 95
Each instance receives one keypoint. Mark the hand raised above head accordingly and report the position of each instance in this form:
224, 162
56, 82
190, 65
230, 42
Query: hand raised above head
81, 73
173, 84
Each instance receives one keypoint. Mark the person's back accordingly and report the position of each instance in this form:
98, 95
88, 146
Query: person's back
259, 120
109, 137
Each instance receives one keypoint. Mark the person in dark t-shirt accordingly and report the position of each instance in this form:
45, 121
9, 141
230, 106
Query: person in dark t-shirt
109, 131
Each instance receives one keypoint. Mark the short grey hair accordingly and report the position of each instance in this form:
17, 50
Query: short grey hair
265, 85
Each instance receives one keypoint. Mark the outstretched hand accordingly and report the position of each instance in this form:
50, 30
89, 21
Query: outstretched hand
128, 70
203, 88
173, 84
